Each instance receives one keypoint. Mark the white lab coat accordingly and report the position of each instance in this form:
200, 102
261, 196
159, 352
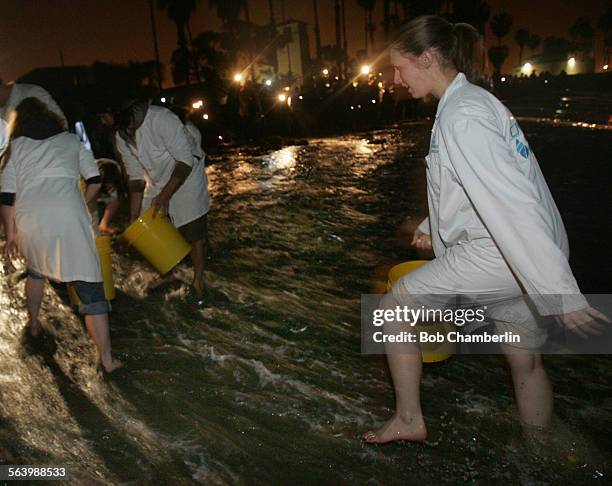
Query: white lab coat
162, 140
20, 92
486, 191
54, 231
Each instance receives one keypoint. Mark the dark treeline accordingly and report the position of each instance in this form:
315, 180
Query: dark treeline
331, 94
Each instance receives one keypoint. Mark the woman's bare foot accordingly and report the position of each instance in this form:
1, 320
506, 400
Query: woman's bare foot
111, 365
398, 427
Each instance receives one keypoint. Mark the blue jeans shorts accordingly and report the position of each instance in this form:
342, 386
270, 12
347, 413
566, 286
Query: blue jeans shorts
91, 295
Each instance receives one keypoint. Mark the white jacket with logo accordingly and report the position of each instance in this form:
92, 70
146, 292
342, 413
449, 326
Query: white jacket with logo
484, 183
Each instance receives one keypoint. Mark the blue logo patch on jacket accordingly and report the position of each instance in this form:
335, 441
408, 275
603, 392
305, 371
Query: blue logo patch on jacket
433, 147
522, 148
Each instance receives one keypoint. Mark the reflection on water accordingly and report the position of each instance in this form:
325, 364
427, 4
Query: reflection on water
265, 384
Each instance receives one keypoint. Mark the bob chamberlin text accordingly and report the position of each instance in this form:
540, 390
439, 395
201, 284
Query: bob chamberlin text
445, 337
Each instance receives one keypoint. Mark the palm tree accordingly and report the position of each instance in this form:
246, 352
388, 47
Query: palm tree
500, 26
179, 11
368, 6
345, 45
386, 18
534, 42
317, 28
521, 37
474, 12
228, 11
338, 24
497, 56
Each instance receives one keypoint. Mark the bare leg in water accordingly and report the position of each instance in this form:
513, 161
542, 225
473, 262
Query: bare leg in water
532, 389
97, 325
34, 289
405, 364
198, 257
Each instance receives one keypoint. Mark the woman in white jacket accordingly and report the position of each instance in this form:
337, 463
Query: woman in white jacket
46, 219
493, 225
166, 171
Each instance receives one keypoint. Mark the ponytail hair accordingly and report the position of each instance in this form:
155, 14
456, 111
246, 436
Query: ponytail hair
456, 45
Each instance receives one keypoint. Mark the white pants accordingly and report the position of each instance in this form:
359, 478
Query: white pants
475, 276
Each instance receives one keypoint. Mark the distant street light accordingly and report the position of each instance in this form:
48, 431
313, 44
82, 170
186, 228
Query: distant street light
325, 72
282, 97
268, 82
365, 69
238, 77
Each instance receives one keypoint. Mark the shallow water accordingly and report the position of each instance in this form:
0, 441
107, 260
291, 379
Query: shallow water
266, 384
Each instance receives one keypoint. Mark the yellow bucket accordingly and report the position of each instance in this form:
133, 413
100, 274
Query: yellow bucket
432, 352
103, 244
157, 240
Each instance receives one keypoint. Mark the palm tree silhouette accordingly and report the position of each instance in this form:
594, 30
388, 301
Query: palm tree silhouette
368, 6
179, 11
500, 26
522, 37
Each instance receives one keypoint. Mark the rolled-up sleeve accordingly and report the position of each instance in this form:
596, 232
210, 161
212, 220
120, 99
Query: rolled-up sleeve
424, 226
174, 137
133, 167
508, 204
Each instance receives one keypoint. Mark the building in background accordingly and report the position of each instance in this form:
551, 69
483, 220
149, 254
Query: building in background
293, 51
570, 64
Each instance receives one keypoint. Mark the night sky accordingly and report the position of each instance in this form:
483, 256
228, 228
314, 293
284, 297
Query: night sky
33, 31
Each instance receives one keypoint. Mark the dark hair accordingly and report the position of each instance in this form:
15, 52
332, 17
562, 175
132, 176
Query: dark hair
130, 117
457, 45
31, 118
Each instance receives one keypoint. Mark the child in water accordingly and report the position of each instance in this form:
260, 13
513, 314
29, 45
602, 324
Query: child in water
493, 224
